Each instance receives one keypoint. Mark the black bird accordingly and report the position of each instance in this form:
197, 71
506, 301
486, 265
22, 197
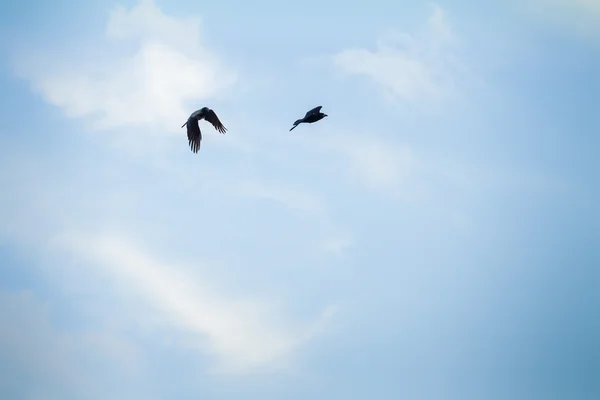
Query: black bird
193, 127
311, 116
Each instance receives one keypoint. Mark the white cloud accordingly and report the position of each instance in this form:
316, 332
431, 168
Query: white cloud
150, 87
243, 334
415, 69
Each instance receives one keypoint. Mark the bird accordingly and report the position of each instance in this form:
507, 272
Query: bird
193, 127
311, 116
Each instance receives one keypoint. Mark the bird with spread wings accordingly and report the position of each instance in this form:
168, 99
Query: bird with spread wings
311, 116
193, 126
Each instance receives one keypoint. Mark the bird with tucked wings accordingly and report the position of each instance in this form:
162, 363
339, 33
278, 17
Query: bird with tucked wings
311, 116
193, 126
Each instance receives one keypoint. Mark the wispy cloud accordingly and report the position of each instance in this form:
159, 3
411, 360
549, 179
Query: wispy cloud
414, 69
150, 66
243, 334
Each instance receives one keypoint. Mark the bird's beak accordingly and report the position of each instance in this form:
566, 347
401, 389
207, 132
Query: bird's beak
326, 115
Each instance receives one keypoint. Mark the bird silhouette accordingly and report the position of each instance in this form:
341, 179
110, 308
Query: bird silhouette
311, 116
193, 126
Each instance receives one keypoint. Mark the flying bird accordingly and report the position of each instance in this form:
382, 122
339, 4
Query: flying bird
311, 116
193, 127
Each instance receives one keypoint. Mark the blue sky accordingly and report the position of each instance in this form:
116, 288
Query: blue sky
436, 237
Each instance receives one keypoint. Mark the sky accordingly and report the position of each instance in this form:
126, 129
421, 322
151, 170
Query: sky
436, 237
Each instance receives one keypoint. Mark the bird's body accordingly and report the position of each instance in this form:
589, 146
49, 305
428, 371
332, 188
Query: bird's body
311, 116
193, 127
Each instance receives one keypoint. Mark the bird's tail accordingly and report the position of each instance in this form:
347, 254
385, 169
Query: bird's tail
296, 123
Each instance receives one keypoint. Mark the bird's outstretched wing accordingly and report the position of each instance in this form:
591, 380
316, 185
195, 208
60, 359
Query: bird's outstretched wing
193, 133
211, 117
313, 111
